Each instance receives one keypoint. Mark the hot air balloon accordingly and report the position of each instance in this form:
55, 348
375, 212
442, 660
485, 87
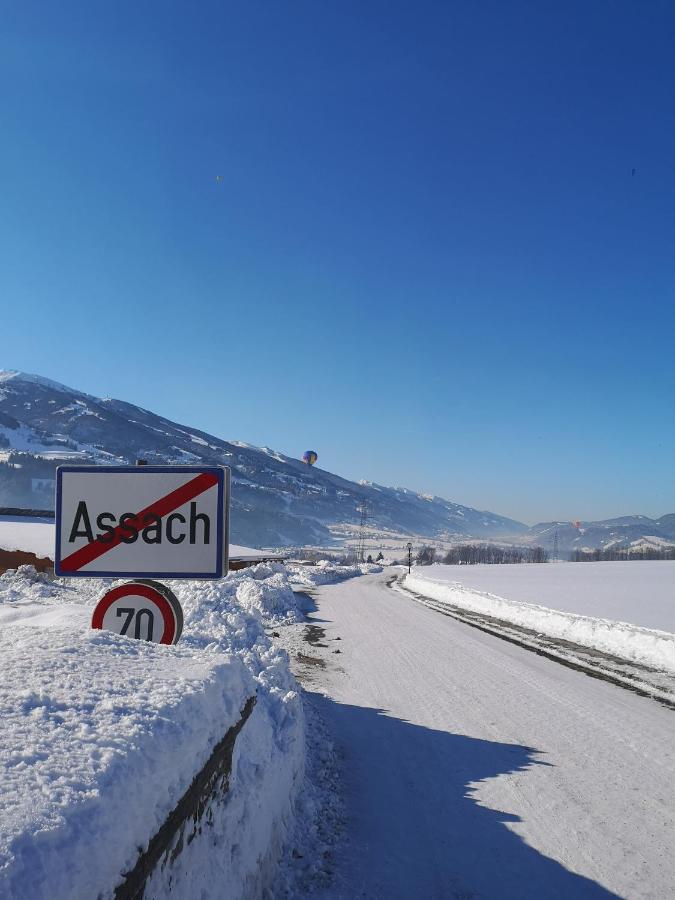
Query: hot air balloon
576, 525
309, 457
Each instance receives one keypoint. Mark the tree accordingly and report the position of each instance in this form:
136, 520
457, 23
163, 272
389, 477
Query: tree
426, 556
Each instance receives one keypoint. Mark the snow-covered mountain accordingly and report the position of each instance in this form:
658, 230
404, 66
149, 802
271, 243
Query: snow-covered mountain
625, 531
276, 500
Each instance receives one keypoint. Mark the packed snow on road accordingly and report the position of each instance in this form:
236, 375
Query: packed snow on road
471, 767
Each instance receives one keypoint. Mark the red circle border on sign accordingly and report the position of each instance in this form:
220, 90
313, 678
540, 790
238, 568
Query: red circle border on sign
141, 590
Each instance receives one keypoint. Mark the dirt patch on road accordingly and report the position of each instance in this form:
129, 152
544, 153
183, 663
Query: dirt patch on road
314, 634
310, 660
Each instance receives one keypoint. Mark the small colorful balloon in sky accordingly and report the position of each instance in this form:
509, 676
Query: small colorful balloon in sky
309, 457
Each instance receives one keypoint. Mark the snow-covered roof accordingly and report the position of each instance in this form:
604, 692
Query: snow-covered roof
250, 553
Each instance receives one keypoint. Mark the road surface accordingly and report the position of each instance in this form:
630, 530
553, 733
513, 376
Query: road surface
474, 768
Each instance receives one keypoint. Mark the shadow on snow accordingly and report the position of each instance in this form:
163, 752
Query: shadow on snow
415, 828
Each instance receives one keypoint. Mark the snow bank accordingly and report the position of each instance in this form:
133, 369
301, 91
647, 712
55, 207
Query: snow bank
266, 591
632, 642
102, 735
325, 572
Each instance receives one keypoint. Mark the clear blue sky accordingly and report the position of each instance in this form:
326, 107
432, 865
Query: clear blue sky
427, 257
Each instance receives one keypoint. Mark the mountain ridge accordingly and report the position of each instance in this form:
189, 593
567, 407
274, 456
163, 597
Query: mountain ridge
276, 499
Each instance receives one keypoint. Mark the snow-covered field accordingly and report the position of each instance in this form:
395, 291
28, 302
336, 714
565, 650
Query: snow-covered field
101, 735
622, 608
34, 535
641, 592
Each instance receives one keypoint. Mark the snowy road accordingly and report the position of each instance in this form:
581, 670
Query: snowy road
474, 768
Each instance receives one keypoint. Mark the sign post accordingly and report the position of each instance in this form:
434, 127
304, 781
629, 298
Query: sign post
409, 545
142, 522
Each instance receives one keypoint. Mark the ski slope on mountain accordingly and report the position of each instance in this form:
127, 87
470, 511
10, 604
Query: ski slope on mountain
475, 768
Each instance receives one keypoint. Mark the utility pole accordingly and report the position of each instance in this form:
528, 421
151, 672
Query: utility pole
363, 509
409, 556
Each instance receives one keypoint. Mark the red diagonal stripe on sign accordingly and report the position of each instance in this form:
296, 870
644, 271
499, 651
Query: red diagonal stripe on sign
159, 508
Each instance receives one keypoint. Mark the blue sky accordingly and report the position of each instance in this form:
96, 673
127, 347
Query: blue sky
426, 256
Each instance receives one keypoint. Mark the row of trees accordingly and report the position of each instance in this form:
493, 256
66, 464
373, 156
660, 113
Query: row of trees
610, 554
349, 557
472, 554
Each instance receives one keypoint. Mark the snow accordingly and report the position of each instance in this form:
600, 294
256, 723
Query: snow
265, 590
103, 734
13, 374
621, 608
78, 408
247, 553
641, 592
474, 768
24, 439
326, 572
32, 534
77, 740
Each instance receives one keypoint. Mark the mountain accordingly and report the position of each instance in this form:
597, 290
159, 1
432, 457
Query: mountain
276, 500
625, 531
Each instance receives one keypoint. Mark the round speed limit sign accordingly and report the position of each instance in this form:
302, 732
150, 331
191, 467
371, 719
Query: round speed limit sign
145, 610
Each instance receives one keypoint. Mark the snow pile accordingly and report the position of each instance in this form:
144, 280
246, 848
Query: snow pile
632, 642
25, 586
103, 734
266, 591
319, 818
325, 572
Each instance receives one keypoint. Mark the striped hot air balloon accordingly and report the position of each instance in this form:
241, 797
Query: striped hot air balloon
309, 457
